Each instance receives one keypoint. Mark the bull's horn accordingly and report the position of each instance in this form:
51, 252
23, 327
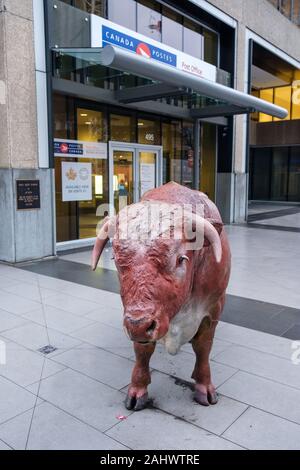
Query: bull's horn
213, 237
211, 234
102, 238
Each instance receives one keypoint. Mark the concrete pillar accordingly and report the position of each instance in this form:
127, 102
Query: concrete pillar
27, 234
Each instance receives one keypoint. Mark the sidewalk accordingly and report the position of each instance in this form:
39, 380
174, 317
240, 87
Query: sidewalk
72, 398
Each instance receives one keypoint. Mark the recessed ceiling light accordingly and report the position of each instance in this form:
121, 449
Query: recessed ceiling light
140, 124
88, 123
83, 114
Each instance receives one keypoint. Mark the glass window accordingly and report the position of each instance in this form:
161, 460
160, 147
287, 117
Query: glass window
122, 128
260, 164
208, 160
279, 174
172, 143
96, 7
149, 19
149, 132
192, 39
123, 12
172, 29
91, 125
211, 47
294, 175
188, 153
266, 95
283, 97
91, 128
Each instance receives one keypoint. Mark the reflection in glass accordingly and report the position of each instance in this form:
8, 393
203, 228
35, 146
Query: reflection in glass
294, 175
91, 128
211, 47
266, 95
171, 141
123, 12
122, 128
149, 132
192, 39
149, 19
279, 175
208, 160
172, 29
283, 98
123, 179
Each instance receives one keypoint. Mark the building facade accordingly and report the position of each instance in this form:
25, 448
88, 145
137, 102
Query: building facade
78, 137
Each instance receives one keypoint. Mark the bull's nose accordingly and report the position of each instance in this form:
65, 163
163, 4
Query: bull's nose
140, 328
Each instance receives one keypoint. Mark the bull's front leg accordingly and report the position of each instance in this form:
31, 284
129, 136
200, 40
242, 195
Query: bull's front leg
137, 396
205, 392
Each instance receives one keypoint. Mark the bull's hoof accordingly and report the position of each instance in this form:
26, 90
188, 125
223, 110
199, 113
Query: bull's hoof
136, 404
206, 396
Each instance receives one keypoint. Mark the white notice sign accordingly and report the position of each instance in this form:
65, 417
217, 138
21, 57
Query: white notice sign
76, 181
147, 177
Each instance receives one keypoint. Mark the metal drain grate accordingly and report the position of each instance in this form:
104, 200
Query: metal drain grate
47, 349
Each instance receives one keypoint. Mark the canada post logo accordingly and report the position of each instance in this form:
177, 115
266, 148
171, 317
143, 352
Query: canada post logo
116, 38
67, 148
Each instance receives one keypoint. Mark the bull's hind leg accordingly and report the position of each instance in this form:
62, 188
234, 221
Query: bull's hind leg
137, 396
205, 392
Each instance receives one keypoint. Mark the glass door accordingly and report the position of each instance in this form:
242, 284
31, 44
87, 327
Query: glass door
123, 178
134, 170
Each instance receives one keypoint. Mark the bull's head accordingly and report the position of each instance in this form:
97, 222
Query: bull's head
156, 272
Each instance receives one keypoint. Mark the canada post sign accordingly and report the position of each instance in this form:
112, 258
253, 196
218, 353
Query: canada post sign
149, 51
104, 32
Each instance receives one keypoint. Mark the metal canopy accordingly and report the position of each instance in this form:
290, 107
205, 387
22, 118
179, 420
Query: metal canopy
149, 92
170, 81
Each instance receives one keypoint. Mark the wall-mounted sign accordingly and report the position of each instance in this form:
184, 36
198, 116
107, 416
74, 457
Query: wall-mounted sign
76, 181
79, 149
105, 32
147, 177
28, 194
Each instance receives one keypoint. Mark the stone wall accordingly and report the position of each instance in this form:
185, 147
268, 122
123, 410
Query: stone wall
18, 125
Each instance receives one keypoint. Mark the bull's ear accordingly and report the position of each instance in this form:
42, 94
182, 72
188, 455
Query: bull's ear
217, 225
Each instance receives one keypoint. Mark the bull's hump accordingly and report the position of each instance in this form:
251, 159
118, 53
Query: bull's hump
174, 193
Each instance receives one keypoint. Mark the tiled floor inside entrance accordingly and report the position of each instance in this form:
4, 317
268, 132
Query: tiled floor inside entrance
72, 397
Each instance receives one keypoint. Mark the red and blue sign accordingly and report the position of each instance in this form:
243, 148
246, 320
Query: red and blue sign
68, 148
116, 38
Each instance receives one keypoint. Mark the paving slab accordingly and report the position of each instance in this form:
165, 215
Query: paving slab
53, 429
176, 398
252, 339
9, 321
262, 364
70, 304
13, 400
154, 430
15, 304
58, 319
34, 336
98, 364
112, 316
106, 337
93, 403
272, 397
25, 367
182, 366
258, 430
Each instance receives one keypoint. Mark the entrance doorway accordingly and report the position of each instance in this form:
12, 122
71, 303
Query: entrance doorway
134, 170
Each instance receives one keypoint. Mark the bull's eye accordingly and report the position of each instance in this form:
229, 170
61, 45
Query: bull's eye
183, 258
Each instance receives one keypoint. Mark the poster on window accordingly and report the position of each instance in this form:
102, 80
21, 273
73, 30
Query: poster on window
76, 181
147, 177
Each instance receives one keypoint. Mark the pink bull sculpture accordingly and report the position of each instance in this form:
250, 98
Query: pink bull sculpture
173, 280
